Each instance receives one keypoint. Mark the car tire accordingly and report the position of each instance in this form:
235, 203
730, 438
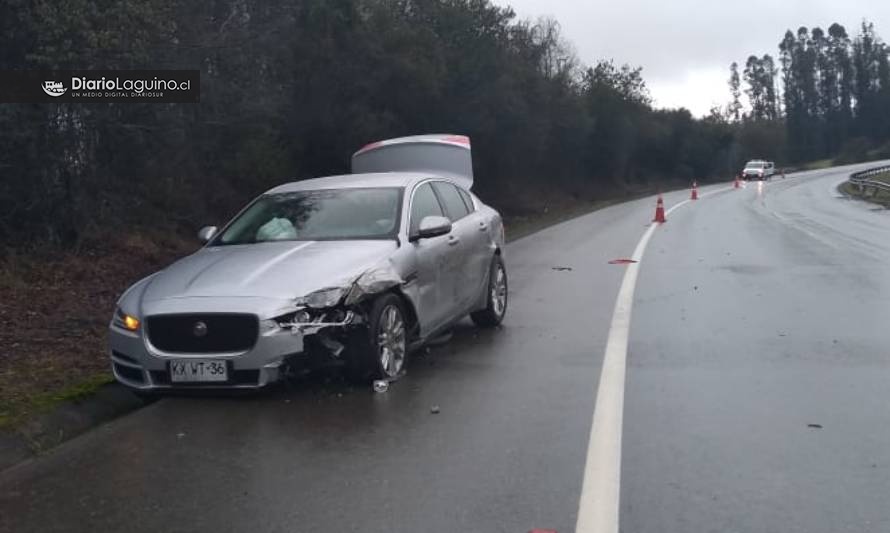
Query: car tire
380, 350
496, 297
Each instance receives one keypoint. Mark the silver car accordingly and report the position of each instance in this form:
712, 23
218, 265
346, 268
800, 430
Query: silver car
360, 268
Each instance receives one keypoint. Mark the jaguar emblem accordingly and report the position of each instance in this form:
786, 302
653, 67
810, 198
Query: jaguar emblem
199, 329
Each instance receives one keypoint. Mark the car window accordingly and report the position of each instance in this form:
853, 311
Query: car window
468, 200
455, 207
424, 204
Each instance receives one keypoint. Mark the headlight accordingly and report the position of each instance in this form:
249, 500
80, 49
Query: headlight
125, 321
299, 317
269, 325
323, 298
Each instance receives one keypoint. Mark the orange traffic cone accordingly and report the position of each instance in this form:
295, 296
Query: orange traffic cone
659, 211
694, 191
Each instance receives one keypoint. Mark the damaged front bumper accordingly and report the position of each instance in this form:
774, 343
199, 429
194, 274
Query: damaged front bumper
139, 365
316, 327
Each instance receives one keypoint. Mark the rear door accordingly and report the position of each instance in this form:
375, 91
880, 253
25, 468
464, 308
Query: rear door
466, 249
482, 244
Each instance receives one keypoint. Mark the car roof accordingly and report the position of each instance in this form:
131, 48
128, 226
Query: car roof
355, 181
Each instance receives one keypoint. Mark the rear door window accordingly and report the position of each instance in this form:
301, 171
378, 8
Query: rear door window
468, 200
455, 208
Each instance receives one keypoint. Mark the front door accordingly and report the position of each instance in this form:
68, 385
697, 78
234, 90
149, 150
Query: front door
436, 262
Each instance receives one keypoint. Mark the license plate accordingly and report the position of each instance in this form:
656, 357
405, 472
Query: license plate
198, 371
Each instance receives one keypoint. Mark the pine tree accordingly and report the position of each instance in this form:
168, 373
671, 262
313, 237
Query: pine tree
769, 82
735, 105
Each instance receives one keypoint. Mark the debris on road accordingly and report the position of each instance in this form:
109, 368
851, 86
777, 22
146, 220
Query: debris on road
381, 385
621, 261
562, 269
814, 426
434, 409
180, 435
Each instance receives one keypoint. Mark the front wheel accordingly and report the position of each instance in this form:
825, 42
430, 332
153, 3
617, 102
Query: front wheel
380, 350
496, 300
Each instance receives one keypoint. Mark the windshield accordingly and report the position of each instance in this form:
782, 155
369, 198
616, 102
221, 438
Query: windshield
754, 165
369, 213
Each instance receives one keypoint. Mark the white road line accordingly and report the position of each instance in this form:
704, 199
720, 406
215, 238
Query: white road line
598, 510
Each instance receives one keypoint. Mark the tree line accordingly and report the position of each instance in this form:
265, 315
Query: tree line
289, 89
829, 91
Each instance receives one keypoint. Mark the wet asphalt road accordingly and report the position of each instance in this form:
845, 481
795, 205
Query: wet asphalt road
756, 314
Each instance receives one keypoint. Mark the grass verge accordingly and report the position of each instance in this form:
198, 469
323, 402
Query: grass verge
871, 195
14, 411
55, 307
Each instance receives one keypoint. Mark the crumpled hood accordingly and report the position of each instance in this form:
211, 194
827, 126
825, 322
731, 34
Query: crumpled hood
275, 270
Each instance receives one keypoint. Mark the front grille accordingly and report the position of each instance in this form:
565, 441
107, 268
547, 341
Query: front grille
203, 333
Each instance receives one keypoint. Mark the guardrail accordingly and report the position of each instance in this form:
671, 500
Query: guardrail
861, 180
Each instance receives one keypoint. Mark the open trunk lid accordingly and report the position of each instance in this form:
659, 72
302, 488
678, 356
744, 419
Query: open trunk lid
441, 154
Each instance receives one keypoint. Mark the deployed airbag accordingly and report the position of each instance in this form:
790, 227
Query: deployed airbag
277, 229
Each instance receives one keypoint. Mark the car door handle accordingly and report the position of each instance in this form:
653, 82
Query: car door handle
453, 241
483, 226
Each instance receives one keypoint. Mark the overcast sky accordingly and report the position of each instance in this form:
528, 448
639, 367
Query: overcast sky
686, 46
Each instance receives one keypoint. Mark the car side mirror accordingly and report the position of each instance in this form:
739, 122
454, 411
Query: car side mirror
206, 233
432, 226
